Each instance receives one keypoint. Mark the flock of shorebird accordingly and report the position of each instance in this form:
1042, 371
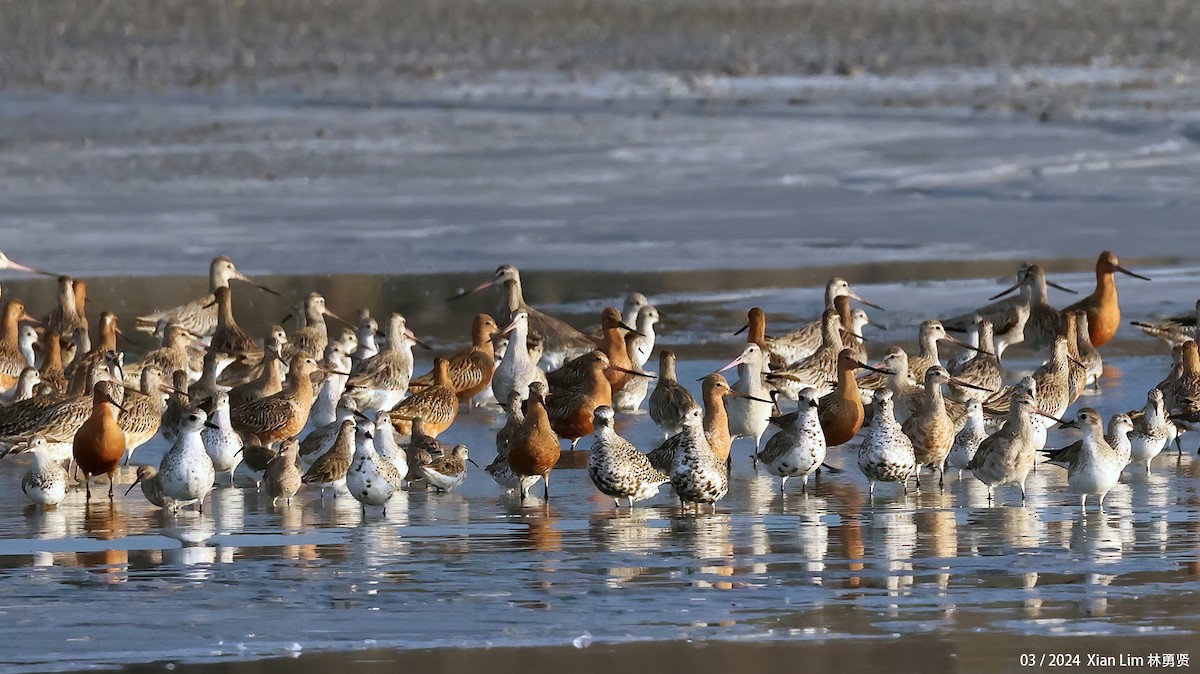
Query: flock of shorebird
344, 411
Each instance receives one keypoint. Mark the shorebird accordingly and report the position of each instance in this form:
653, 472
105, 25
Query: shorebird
1150, 430
841, 412
99, 444
638, 344
931, 428
250, 365
147, 479
983, 370
310, 340
818, 370
7, 264
612, 345
516, 370
223, 444
572, 409
27, 340
670, 400
333, 386
967, 441
798, 449
1103, 310
386, 444
886, 453
68, 314
54, 416
617, 468
1093, 465
26, 384
383, 380
749, 412
178, 405
320, 439
471, 369
446, 472
422, 448
45, 483
369, 479
51, 371
11, 359
143, 411
199, 316
436, 405
275, 418
1085, 351
269, 381
329, 470
186, 472
714, 390
804, 341
172, 356
368, 345
561, 340
1173, 331
256, 458
228, 336
207, 385
499, 469
282, 475
1007, 456
1010, 317
533, 447
696, 473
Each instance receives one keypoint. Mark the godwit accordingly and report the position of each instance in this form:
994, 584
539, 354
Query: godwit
1077, 371
749, 413
57, 418
143, 411
283, 475
516, 371
798, 449
52, 365
697, 475
147, 479
436, 404
67, 315
7, 263
886, 453
178, 406
369, 479
1150, 432
250, 365
269, 381
333, 387
1183, 393
329, 470
199, 316
714, 390
107, 332
207, 386
1009, 316
446, 472
572, 409
612, 345
930, 333
310, 340
804, 341
983, 370
1007, 456
638, 344
1173, 331
384, 379
186, 472
171, 357
471, 369
278, 417
670, 400
841, 412
1086, 351
228, 336
1102, 308
1093, 465
967, 441
499, 469
931, 428
533, 448
853, 322
223, 444
11, 359
561, 340
99, 443
617, 468
819, 370
45, 483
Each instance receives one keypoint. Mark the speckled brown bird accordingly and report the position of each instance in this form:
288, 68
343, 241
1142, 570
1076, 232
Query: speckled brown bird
436, 404
277, 417
11, 359
470, 369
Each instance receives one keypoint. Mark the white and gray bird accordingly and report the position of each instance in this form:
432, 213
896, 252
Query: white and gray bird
798, 449
186, 472
616, 467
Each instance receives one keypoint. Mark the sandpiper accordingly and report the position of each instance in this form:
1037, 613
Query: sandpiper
886, 453
638, 344
283, 415
333, 387
147, 479
1007, 456
186, 472
1093, 465
223, 444
45, 483
670, 400
383, 380
617, 468
499, 469
282, 475
69, 312
983, 369
387, 446
804, 341
11, 359
931, 428
799, 448
819, 370
436, 404
329, 469
310, 340
143, 411
1173, 331
199, 316
572, 409
370, 480
516, 371
967, 441
471, 369
446, 472
697, 475
714, 390
1150, 430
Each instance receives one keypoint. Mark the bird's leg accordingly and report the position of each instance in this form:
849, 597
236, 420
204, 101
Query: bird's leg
88, 486
941, 478
1083, 503
1022, 486
546, 486
782, 484
112, 477
630, 504
917, 471
871, 488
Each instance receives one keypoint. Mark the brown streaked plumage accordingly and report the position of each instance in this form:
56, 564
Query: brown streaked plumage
68, 314
310, 341
330, 468
269, 382
470, 369
107, 331
172, 356
11, 360
805, 340
199, 316
99, 443
436, 404
533, 448
282, 475
229, 336
278, 417
1102, 308
670, 400
143, 411
818, 370
714, 389
52, 364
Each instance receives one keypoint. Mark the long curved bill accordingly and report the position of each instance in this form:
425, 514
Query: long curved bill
409, 334
113, 401
750, 397
618, 368
482, 286
742, 329
242, 277
8, 263
136, 483
858, 298
872, 368
329, 314
958, 382
626, 327
731, 364
1130, 273
955, 340
1004, 292
1065, 289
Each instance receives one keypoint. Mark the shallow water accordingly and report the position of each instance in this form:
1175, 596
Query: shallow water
88, 585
